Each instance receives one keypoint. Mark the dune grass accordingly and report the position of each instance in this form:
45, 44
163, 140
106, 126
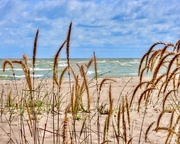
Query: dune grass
71, 110
163, 86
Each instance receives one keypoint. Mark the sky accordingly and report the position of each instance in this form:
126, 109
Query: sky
110, 28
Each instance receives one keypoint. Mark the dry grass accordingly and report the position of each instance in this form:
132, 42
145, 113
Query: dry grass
162, 86
76, 114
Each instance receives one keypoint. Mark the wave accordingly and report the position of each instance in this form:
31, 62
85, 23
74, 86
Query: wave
20, 76
135, 62
62, 65
115, 61
10, 69
82, 62
120, 63
37, 76
62, 61
101, 61
90, 72
126, 63
20, 69
42, 69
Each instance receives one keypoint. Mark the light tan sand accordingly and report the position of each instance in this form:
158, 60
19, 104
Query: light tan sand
122, 87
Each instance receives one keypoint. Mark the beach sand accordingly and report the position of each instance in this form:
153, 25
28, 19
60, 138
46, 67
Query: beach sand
124, 86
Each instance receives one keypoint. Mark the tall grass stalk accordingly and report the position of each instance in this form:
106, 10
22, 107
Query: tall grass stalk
164, 85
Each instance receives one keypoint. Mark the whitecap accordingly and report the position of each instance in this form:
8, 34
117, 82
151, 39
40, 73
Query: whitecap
101, 61
42, 69
62, 65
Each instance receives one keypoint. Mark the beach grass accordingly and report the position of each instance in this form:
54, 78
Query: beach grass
86, 110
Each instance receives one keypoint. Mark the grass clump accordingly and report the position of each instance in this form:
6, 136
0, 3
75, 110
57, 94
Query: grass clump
162, 88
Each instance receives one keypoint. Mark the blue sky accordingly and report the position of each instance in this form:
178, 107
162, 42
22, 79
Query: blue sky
111, 28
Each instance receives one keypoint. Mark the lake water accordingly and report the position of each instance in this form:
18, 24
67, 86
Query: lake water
115, 68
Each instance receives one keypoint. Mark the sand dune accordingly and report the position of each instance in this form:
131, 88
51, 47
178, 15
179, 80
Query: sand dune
13, 91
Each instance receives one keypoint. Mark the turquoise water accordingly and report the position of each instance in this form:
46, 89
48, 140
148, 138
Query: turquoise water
106, 68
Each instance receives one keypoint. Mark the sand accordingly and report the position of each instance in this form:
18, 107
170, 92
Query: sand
123, 86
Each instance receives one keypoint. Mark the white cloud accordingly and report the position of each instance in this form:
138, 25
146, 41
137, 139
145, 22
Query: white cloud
115, 23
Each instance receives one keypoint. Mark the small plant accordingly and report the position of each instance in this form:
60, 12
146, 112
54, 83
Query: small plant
77, 117
102, 109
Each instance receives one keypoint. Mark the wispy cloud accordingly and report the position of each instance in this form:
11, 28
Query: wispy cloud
111, 28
